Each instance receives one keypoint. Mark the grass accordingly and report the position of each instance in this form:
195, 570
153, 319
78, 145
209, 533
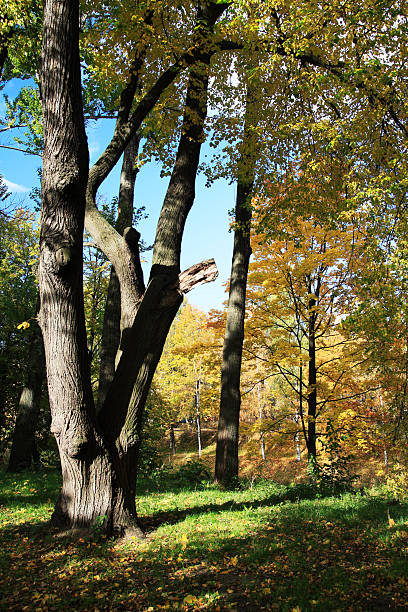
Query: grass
265, 547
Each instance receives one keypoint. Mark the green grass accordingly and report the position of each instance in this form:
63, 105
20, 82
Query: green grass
269, 547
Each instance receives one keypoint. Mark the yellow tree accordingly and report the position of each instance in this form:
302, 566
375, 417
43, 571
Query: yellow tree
298, 297
187, 375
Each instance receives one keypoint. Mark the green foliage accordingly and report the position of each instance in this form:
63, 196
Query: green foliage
333, 474
18, 293
397, 480
20, 32
189, 475
49, 458
192, 472
152, 434
25, 111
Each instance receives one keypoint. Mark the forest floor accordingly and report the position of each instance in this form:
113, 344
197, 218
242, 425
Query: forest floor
267, 546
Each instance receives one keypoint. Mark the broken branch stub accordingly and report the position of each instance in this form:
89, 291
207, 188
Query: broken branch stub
203, 272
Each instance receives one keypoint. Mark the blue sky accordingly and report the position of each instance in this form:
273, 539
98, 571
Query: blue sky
206, 234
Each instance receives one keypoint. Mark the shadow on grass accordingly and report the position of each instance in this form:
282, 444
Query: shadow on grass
293, 560
288, 494
291, 566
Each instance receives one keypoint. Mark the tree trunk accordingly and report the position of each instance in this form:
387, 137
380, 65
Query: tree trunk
226, 461
312, 385
92, 487
99, 459
197, 407
172, 442
112, 317
297, 441
260, 412
23, 449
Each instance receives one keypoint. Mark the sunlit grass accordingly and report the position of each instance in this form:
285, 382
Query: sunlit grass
264, 547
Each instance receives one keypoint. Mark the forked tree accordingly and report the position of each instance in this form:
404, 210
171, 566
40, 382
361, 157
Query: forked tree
99, 449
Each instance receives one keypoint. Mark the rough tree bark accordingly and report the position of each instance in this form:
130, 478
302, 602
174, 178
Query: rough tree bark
99, 455
226, 461
23, 448
111, 330
91, 487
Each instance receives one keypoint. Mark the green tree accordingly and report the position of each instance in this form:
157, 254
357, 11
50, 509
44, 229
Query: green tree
18, 255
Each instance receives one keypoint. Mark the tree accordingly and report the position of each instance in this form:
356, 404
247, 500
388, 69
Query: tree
187, 373
380, 323
299, 287
24, 450
226, 463
18, 254
105, 447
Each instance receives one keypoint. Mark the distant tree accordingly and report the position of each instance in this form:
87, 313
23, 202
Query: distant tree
187, 375
299, 292
18, 254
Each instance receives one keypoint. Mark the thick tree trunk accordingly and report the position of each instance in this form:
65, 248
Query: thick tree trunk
112, 317
226, 461
99, 461
23, 448
92, 486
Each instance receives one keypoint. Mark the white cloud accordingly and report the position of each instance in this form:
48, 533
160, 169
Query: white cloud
15, 188
93, 148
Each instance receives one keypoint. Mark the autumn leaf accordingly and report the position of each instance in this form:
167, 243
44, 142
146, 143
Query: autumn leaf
184, 540
23, 325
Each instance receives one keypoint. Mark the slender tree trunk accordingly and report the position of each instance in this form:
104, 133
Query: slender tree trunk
23, 448
312, 385
172, 442
297, 441
197, 407
226, 461
111, 330
260, 413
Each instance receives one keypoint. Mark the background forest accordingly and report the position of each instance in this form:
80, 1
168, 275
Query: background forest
314, 135
143, 409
